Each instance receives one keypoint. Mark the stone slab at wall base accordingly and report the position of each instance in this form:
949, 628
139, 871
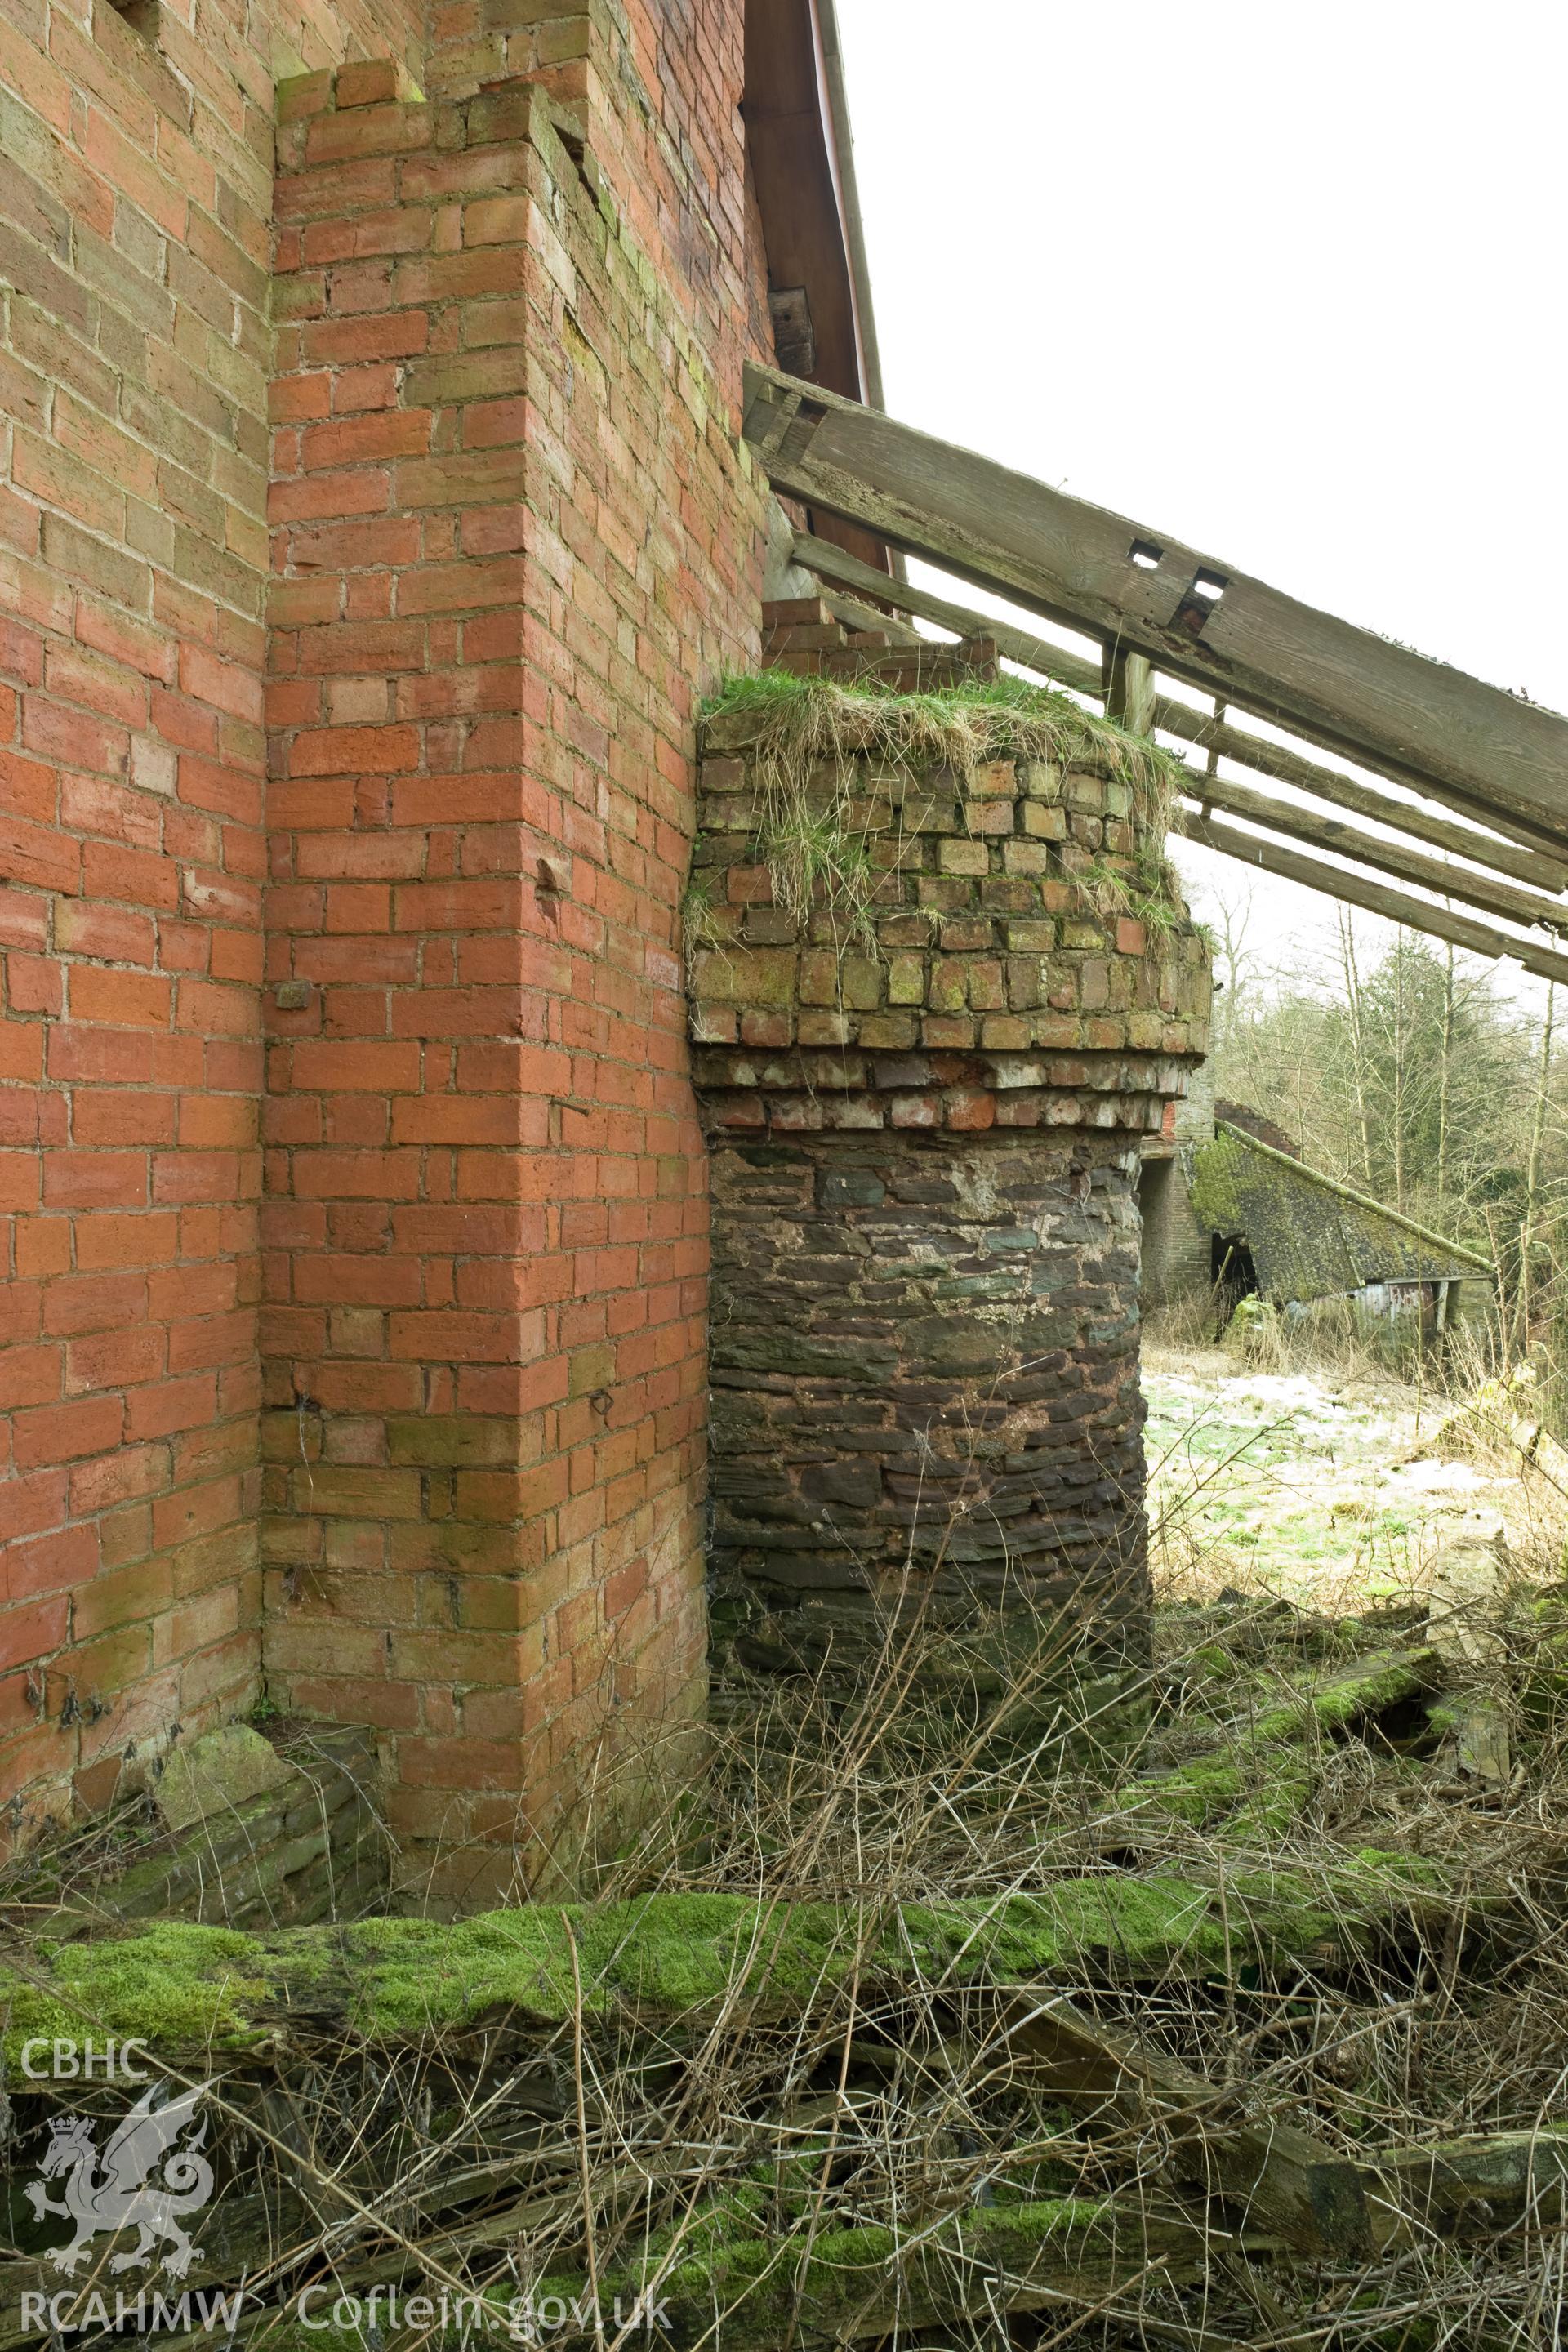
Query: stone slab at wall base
926, 1412
240, 1828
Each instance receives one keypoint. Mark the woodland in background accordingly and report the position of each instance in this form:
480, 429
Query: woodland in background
1420, 1076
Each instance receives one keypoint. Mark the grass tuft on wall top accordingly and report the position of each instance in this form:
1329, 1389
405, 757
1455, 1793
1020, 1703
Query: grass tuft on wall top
804, 736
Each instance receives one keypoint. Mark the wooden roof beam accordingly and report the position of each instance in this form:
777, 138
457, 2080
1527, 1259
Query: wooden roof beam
1193, 615
864, 618
1360, 890
1479, 890
1198, 728
1286, 767
830, 563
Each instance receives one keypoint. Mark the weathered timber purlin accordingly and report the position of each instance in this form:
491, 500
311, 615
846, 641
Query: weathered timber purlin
1358, 890
1217, 738
1199, 619
1286, 2180
861, 618
1481, 890
833, 563
1143, 707
1208, 732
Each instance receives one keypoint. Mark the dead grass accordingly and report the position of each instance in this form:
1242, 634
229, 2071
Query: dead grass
668, 2153
873, 2132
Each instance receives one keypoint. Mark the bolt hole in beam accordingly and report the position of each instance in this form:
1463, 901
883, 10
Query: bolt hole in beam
1453, 736
1202, 596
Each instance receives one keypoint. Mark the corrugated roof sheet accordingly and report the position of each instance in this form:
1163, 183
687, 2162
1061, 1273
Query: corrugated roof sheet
1308, 1238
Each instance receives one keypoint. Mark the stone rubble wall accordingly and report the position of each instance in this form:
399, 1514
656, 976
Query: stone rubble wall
925, 1129
1000, 992
925, 1395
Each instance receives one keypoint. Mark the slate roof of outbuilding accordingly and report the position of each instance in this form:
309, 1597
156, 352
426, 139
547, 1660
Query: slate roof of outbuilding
1309, 1238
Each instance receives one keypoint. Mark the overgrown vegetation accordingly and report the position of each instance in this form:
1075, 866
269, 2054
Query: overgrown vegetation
806, 734
777, 2073
790, 2070
1413, 1077
1417, 1078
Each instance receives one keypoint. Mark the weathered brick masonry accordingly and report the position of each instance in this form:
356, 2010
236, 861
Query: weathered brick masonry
513, 539
135, 220
926, 1263
346, 1120
510, 525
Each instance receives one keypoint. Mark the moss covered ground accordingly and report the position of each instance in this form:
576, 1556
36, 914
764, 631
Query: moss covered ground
188, 1990
782, 2103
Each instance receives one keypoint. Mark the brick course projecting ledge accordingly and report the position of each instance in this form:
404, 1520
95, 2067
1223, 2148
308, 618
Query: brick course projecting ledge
924, 1350
998, 991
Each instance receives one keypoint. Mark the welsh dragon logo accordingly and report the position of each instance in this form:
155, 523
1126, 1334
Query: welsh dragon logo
112, 2191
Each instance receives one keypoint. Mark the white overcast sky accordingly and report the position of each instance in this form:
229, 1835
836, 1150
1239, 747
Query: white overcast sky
1284, 281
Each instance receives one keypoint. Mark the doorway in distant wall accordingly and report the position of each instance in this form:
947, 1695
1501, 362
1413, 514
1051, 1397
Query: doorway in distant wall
1157, 1181
1235, 1274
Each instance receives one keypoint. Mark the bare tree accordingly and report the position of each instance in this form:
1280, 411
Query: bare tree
1354, 1007
1233, 959
1532, 1172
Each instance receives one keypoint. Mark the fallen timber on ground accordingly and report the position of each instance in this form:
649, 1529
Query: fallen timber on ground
211, 1996
664, 1975
1287, 2180
218, 1994
839, 2286
1271, 1746
850, 2285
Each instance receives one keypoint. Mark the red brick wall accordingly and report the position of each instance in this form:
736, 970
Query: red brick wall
513, 544
136, 205
515, 538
